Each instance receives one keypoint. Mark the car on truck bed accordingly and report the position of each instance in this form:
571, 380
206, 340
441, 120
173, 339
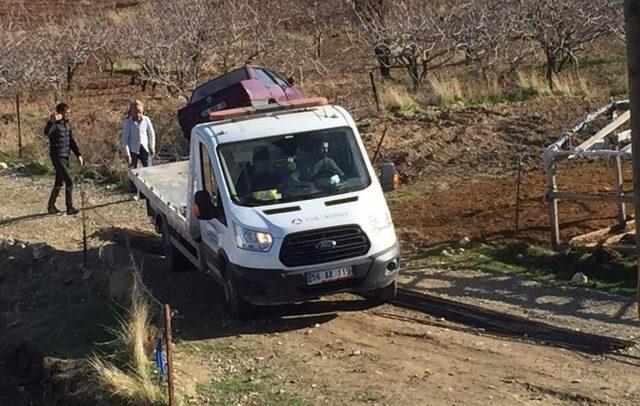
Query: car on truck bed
279, 205
241, 87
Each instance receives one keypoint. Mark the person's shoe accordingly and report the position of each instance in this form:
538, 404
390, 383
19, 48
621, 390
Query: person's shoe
52, 209
71, 211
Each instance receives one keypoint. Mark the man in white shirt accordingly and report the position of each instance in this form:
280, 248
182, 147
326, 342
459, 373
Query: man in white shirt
138, 137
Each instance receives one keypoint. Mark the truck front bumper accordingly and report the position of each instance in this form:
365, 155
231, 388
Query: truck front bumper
279, 286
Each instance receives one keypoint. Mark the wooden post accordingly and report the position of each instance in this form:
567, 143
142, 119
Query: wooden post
519, 181
19, 125
632, 18
168, 341
375, 155
622, 211
375, 91
84, 229
552, 188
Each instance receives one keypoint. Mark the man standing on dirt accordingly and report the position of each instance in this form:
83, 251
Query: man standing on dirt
138, 138
61, 143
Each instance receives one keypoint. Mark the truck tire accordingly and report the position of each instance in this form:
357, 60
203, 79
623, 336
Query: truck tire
177, 261
384, 295
238, 308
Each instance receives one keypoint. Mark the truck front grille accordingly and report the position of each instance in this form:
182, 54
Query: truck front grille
324, 245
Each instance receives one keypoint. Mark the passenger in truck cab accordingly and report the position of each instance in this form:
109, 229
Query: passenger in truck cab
321, 169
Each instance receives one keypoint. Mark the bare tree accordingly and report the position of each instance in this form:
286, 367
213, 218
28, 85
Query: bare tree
179, 40
110, 40
490, 35
71, 43
320, 19
562, 29
21, 57
415, 35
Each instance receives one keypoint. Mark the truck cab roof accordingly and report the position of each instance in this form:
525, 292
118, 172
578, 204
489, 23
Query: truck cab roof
275, 123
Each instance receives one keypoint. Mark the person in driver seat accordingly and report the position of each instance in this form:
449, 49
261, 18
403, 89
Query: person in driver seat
263, 174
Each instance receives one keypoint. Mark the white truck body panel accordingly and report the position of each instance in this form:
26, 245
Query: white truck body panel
170, 189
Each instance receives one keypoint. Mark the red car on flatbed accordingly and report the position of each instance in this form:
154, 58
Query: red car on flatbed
242, 87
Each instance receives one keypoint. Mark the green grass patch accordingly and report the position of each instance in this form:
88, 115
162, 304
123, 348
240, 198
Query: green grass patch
599, 60
606, 270
220, 349
262, 391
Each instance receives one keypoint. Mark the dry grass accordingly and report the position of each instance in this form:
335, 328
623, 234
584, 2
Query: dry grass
126, 374
565, 85
446, 91
397, 98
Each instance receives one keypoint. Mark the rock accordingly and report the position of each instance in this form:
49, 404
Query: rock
464, 242
445, 253
4, 166
579, 278
39, 251
461, 250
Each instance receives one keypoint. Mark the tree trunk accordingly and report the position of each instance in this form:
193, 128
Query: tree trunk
551, 62
318, 39
384, 61
70, 72
415, 77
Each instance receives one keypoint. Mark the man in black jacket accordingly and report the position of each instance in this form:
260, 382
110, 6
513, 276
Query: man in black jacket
61, 143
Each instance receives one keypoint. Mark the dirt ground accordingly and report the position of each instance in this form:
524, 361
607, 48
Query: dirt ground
339, 350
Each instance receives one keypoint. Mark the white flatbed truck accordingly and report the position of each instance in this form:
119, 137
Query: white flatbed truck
279, 205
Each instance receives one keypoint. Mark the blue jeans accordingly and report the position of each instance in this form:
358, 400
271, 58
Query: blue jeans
145, 159
143, 156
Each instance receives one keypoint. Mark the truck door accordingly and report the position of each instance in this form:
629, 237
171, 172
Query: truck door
212, 231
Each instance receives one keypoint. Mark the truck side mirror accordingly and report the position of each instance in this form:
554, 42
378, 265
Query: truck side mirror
203, 206
291, 80
390, 179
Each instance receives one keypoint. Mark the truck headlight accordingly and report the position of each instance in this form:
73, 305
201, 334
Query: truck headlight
252, 240
380, 222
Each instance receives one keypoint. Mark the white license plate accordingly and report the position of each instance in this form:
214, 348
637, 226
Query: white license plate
317, 277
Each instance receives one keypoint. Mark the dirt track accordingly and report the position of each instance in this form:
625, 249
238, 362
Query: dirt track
341, 350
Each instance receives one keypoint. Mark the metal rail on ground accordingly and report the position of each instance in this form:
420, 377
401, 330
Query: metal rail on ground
503, 324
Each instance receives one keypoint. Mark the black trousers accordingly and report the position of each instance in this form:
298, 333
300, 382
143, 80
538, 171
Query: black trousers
63, 175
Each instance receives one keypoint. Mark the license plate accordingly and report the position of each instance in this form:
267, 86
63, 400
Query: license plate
317, 277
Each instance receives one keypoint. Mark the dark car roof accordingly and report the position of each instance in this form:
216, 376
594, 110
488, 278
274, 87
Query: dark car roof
218, 83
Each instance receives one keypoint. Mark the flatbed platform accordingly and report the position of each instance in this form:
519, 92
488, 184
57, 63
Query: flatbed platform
166, 188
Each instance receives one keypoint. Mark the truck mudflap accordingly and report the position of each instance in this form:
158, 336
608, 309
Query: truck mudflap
279, 286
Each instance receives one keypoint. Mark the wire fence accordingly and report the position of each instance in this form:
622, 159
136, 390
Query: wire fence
163, 342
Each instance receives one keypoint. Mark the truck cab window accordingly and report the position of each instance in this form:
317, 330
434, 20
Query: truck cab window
209, 182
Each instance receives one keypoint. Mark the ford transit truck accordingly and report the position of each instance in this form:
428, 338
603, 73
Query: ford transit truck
279, 204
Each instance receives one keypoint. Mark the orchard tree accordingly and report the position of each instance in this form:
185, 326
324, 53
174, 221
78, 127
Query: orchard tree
561, 29
22, 58
72, 42
418, 36
179, 40
489, 33
110, 40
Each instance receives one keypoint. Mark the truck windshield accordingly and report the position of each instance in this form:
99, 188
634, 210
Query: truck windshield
293, 167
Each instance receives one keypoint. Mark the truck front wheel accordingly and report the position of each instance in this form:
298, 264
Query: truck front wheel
384, 295
238, 308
